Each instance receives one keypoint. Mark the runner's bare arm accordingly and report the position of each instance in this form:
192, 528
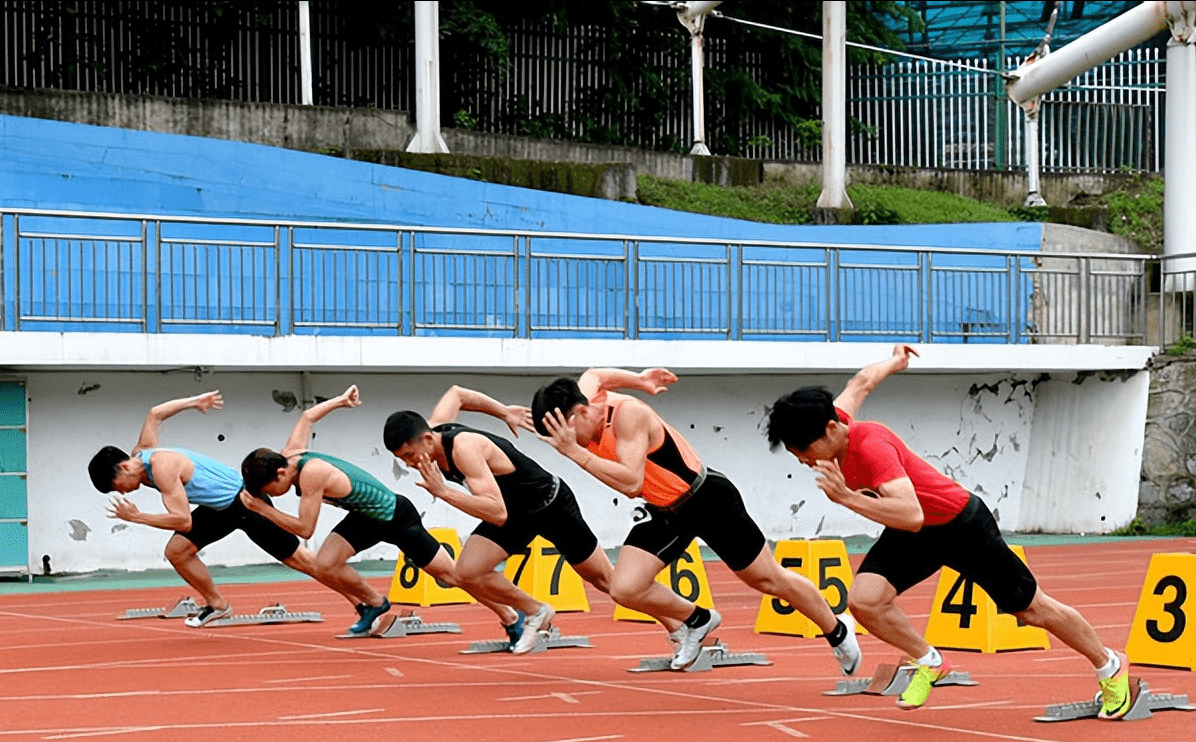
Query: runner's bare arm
153, 421
169, 468
458, 399
484, 499
301, 433
651, 380
896, 505
313, 484
867, 378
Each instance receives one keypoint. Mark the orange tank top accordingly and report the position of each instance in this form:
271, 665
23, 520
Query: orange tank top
671, 467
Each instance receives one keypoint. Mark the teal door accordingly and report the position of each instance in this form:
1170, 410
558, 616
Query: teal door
14, 529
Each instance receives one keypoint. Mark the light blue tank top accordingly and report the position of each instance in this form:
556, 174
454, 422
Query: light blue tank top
212, 483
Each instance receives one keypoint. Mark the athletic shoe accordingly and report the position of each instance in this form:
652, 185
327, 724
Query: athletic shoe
691, 646
848, 653
1115, 691
539, 621
208, 614
677, 638
369, 614
920, 684
514, 630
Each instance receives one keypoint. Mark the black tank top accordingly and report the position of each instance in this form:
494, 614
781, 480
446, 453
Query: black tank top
527, 489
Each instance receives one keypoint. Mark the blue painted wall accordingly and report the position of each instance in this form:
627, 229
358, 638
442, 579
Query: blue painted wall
55, 165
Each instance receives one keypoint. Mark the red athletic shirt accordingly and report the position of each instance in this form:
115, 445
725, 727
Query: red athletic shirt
876, 455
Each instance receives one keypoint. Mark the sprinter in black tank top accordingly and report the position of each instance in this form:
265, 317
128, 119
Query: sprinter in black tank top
513, 496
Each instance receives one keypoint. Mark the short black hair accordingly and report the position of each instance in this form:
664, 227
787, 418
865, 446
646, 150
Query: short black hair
102, 467
800, 418
563, 394
403, 427
260, 468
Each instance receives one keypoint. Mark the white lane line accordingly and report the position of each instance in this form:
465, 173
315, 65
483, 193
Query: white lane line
300, 680
566, 697
330, 714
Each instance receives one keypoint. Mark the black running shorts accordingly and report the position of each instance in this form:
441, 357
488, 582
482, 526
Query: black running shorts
715, 513
209, 525
405, 530
560, 522
970, 543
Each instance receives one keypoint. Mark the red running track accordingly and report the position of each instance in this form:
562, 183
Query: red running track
68, 670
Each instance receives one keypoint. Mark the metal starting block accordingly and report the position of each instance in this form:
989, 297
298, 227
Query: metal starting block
892, 680
182, 609
268, 615
395, 627
550, 639
715, 655
1142, 703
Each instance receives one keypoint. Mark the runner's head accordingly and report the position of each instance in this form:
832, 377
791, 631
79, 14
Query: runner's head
806, 424
111, 470
562, 394
407, 435
266, 472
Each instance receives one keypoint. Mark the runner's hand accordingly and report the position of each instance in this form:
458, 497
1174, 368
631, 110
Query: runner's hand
121, 507
561, 434
210, 401
518, 416
351, 398
901, 354
829, 478
433, 479
658, 380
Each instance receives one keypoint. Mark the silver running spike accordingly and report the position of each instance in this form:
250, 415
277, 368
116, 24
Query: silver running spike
892, 680
395, 627
715, 655
550, 639
1143, 702
182, 609
271, 614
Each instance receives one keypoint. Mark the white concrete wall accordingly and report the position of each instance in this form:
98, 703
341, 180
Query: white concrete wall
993, 430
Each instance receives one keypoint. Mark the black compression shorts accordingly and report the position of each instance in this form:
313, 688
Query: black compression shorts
405, 530
209, 525
970, 543
716, 513
560, 522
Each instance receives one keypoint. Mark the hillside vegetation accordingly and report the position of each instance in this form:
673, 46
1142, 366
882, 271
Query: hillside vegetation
1134, 209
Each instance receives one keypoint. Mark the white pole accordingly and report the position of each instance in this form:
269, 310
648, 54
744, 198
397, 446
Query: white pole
1037, 76
834, 107
1179, 223
305, 52
427, 79
1033, 181
693, 15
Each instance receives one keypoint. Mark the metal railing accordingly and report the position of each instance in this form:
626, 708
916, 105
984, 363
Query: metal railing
74, 271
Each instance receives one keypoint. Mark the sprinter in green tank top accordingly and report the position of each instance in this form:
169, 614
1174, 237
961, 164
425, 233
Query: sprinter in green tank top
375, 513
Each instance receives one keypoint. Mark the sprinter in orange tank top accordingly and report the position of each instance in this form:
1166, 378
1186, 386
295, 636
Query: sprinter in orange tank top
622, 442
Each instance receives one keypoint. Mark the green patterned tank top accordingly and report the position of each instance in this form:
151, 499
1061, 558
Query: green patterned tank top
366, 495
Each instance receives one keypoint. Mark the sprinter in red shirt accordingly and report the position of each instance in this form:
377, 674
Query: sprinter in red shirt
929, 521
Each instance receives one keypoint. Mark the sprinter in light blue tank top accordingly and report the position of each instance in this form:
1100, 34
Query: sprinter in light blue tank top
212, 483
185, 479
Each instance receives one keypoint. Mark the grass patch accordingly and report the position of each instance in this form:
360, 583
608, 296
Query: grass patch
1138, 528
777, 203
1136, 211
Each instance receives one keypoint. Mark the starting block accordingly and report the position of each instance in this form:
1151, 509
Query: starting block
182, 609
395, 627
715, 655
550, 639
891, 680
1142, 703
269, 615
